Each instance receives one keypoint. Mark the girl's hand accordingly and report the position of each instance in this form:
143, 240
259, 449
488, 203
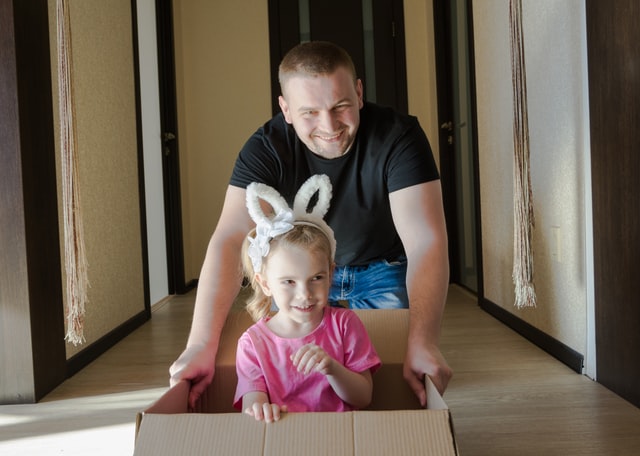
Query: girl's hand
265, 411
310, 358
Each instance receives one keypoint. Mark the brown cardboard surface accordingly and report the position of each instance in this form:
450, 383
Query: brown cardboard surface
199, 434
403, 432
393, 424
310, 433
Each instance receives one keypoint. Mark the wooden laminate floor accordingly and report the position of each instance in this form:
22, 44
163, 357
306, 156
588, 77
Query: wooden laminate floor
507, 396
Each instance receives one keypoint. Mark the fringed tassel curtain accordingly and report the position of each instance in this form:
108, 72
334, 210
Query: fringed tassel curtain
74, 254
523, 198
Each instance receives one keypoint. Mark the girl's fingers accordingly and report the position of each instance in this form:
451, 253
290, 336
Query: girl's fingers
256, 411
265, 411
299, 355
307, 357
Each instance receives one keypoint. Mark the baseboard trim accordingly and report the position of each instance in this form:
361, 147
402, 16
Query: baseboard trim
190, 285
554, 347
82, 359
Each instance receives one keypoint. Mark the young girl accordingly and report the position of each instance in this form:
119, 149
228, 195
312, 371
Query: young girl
308, 356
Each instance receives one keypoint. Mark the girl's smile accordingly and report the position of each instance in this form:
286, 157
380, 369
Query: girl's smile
298, 281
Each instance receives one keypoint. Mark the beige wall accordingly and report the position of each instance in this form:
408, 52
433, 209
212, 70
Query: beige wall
223, 91
107, 156
554, 33
421, 68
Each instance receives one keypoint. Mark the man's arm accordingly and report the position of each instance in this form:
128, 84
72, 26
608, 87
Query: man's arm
418, 215
218, 286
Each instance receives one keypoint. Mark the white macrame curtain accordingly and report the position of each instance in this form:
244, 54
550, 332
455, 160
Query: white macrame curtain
522, 195
74, 251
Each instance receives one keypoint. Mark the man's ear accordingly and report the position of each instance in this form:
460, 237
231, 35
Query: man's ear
262, 281
360, 92
284, 107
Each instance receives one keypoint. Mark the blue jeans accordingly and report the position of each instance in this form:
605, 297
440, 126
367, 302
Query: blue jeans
378, 285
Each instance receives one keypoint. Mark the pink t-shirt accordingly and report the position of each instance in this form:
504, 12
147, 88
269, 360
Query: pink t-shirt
263, 362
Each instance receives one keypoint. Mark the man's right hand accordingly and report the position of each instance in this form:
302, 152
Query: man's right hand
196, 364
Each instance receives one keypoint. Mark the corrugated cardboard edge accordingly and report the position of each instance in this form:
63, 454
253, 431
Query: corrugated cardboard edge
175, 401
435, 401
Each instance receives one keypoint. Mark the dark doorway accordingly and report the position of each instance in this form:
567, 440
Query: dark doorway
371, 31
170, 152
457, 139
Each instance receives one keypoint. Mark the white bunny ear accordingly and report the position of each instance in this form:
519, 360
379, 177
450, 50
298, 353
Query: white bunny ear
280, 222
317, 183
256, 192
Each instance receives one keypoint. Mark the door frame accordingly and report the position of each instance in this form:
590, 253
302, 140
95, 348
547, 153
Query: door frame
170, 151
444, 78
30, 265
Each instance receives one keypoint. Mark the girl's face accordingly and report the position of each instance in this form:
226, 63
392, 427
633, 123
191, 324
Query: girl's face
298, 280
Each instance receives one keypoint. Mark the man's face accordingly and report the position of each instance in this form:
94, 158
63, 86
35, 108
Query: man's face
324, 111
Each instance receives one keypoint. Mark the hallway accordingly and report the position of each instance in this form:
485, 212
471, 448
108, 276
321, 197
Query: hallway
507, 396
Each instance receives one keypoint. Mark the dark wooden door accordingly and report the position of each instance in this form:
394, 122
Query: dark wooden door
170, 152
457, 140
614, 105
371, 31
33, 359
444, 74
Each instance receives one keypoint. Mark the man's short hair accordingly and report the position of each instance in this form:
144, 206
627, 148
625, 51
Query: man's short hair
314, 58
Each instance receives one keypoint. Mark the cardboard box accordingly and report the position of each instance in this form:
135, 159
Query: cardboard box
394, 423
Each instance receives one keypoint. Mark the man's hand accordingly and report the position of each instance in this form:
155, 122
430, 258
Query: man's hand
197, 365
426, 359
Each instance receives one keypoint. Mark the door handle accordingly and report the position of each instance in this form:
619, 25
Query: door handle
166, 138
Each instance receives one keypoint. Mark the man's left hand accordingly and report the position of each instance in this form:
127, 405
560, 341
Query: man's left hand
426, 359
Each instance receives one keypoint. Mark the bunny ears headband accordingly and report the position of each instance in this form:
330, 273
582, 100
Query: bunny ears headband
284, 218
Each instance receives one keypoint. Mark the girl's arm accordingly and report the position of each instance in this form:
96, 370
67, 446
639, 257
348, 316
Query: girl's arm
256, 404
354, 388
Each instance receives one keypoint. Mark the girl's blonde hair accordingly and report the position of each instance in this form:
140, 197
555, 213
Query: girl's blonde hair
303, 235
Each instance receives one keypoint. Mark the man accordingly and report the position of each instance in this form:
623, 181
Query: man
386, 210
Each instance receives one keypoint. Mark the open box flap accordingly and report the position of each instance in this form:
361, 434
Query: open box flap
175, 400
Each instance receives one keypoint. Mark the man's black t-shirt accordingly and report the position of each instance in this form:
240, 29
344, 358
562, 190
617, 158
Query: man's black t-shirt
390, 152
